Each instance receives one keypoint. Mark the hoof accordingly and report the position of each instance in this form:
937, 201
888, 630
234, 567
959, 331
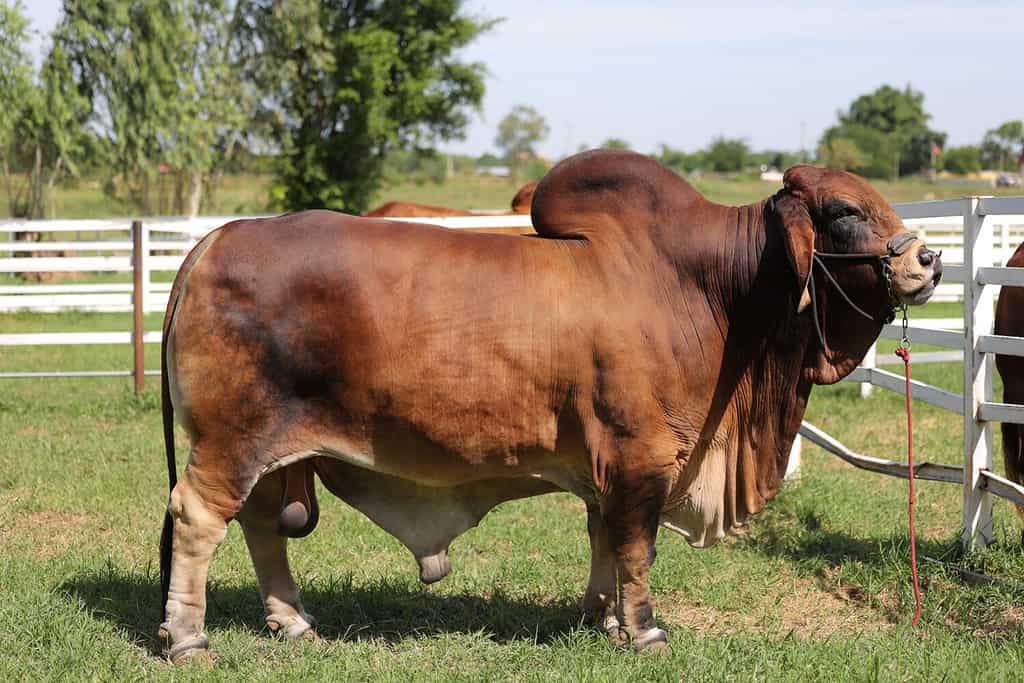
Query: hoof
196, 648
655, 640
297, 627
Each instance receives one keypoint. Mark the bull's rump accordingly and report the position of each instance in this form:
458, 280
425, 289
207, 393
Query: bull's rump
414, 350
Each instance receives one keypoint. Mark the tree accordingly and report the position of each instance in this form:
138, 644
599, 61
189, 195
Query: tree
161, 85
518, 134
615, 143
214, 105
41, 124
1001, 146
890, 127
841, 153
53, 128
878, 151
17, 93
727, 155
345, 83
961, 160
488, 159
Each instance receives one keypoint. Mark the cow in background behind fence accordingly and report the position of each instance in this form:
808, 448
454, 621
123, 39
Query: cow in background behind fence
1010, 322
398, 209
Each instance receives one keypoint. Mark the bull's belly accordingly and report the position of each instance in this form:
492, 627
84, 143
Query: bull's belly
427, 515
405, 455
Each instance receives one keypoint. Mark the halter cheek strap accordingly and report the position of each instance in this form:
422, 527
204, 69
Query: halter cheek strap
896, 246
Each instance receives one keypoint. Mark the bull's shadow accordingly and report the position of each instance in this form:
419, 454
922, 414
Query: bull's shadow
387, 610
803, 539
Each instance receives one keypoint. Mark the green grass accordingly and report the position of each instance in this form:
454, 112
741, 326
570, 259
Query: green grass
818, 588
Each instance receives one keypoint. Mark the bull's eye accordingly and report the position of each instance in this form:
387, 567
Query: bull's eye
845, 223
838, 208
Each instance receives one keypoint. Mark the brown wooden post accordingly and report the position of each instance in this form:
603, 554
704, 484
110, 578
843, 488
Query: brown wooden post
138, 300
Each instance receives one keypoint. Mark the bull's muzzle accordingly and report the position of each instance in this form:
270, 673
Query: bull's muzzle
917, 270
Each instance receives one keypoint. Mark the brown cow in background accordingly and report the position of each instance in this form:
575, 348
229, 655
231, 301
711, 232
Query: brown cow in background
1010, 322
397, 209
524, 198
413, 210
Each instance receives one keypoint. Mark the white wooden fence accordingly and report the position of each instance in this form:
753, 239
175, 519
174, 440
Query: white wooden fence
974, 233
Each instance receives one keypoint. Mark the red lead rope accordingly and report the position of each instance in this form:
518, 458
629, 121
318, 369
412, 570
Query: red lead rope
904, 353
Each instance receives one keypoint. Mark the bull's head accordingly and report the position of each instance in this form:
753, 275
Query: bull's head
851, 262
834, 214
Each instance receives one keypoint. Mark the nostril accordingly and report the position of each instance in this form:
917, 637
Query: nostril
925, 257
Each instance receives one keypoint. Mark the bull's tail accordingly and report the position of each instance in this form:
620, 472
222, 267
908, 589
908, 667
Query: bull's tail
166, 537
1013, 454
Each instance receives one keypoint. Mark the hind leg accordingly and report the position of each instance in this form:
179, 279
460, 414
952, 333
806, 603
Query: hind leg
199, 527
269, 551
599, 600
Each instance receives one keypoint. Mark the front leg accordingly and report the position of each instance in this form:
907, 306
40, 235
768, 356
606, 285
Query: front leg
631, 514
599, 600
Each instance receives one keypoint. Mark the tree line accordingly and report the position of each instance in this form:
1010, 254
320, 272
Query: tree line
882, 134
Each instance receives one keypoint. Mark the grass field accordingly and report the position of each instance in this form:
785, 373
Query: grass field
248, 194
818, 588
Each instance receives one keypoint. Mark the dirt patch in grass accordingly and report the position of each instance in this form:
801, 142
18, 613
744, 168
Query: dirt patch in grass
1006, 624
804, 609
53, 532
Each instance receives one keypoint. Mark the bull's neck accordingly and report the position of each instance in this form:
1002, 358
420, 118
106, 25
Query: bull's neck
759, 394
738, 255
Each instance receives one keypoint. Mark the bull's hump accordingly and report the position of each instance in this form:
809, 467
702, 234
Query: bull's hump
608, 191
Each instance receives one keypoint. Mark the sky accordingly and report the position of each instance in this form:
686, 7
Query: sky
773, 73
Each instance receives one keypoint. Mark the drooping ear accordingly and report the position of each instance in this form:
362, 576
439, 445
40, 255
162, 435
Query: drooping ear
794, 221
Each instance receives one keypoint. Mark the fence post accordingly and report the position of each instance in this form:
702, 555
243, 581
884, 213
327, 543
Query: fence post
139, 247
979, 304
870, 361
793, 466
147, 268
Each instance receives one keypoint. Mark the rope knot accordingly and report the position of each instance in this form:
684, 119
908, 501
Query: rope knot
904, 353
